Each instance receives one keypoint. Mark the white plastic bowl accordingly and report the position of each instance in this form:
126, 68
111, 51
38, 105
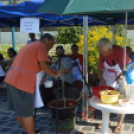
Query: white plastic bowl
48, 84
124, 104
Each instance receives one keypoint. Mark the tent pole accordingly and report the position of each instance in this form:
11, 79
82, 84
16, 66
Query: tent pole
13, 34
125, 41
0, 36
41, 31
85, 64
13, 39
114, 34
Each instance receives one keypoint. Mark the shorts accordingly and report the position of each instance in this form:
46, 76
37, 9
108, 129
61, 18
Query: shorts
20, 101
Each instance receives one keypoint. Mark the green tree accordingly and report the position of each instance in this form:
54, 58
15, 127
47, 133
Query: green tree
68, 35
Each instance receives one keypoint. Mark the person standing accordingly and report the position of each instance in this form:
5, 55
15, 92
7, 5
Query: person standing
110, 66
32, 37
21, 79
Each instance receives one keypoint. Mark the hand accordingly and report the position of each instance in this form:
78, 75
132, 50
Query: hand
75, 64
7, 62
103, 82
58, 73
119, 76
2, 63
43, 80
53, 66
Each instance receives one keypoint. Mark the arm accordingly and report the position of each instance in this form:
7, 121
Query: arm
65, 71
120, 76
45, 66
132, 57
101, 71
100, 75
53, 66
74, 64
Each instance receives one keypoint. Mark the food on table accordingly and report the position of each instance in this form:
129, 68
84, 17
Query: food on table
124, 102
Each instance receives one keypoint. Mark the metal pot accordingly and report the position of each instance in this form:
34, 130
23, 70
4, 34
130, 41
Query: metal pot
67, 112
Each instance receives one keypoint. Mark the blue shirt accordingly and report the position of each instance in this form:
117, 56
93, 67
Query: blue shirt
132, 56
28, 42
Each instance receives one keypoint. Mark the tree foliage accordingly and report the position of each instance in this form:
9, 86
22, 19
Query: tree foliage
68, 35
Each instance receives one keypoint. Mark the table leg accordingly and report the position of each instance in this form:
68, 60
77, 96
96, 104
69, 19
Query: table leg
105, 122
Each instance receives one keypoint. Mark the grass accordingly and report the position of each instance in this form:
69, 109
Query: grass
4, 47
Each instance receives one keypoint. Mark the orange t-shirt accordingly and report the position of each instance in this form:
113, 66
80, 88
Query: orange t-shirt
22, 75
80, 57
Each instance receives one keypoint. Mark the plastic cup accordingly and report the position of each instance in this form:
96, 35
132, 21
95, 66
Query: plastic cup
48, 84
124, 102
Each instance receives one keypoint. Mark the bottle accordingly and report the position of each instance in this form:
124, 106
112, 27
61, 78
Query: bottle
132, 93
122, 86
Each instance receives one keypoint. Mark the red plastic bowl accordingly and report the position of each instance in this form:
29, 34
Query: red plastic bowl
97, 89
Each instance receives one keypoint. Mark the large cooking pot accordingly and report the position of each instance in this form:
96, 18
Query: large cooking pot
67, 112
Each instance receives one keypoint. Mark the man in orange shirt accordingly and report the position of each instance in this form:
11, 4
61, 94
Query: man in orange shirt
21, 79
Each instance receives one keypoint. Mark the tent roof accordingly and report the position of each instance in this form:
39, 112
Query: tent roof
103, 8
110, 11
10, 16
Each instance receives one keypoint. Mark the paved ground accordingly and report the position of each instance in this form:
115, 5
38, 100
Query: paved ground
43, 121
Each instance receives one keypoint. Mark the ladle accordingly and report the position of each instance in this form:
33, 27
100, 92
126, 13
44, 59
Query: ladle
79, 98
107, 91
